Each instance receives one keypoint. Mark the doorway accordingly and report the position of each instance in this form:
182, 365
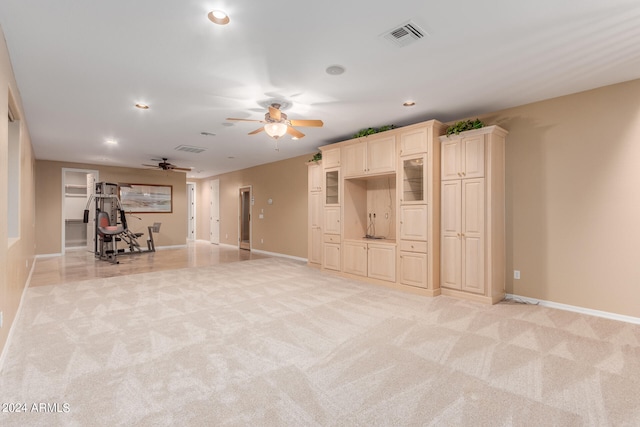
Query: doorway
245, 218
214, 212
191, 211
78, 186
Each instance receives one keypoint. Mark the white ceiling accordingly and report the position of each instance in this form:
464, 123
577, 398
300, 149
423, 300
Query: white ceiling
82, 65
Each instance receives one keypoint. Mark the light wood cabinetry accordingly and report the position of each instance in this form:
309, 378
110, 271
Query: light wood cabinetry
472, 227
419, 206
315, 195
375, 155
385, 186
330, 157
368, 259
315, 176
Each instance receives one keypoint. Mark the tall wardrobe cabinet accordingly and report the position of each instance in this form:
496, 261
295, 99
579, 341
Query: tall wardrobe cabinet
472, 256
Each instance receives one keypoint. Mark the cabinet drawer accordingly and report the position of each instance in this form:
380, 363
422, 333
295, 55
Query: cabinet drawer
410, 246
332, 238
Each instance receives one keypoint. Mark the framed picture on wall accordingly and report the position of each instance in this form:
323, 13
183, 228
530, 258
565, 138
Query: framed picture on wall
146, 198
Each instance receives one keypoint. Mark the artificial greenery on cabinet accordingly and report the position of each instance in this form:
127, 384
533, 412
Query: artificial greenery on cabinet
464, 125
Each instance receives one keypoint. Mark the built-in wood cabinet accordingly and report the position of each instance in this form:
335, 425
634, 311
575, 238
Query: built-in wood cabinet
315, 217
412, 208
369, 259
472, 214
374, 155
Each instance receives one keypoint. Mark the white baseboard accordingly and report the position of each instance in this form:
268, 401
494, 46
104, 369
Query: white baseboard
276, 254
48, 255
575, 309
170, 247
7, 343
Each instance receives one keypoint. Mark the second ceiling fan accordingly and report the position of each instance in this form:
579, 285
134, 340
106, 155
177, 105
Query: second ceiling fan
277, 124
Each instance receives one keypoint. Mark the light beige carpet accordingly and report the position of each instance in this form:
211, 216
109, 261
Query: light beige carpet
273, 342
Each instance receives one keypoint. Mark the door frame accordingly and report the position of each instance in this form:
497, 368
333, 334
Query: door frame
214, 212
191, 220
241, 191
63, 233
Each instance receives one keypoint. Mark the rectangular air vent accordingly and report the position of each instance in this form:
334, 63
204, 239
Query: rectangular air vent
190, 149
404, 34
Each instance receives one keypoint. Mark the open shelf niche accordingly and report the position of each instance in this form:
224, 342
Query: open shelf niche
370, 195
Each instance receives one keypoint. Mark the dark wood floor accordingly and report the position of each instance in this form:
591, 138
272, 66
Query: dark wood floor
78, 265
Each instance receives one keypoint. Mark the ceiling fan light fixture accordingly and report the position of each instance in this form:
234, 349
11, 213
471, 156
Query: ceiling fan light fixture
275, 130
409, 103
142, 106
218, 17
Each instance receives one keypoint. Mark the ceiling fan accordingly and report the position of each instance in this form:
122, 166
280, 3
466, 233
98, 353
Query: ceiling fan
277, 123
166, 166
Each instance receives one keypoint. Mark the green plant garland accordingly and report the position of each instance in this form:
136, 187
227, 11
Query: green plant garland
464, 125
371, 131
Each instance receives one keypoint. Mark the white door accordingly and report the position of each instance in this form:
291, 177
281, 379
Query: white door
214, 212
191, 211
91, 226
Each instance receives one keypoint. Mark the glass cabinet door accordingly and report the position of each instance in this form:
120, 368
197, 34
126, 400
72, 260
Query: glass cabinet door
413, 179
332, 187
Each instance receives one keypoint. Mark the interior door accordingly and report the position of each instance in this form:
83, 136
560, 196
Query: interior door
191, 211
214, 212
245, 218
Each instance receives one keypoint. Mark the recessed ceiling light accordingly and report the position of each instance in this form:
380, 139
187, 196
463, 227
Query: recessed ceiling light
230, 157
111, 142
409, 103
142, 106
207, 134
335, 70
218, 17
227, 124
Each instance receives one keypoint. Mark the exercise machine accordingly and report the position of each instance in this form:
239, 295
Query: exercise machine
111, 226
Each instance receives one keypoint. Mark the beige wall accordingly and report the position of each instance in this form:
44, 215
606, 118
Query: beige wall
573, 198
16, 256
284, 226
49, 203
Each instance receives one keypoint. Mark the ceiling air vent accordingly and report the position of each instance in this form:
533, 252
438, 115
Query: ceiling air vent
404, 34
190, 149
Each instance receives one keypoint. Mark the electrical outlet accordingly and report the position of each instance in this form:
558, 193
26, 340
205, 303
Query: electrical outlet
226, 236
516, 274
262, 241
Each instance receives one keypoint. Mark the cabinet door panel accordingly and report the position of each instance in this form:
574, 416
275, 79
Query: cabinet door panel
473, 235
315, 209
355, 258
415, 141
450, 262
451, 208
331, 158
381, 155
414, 179
354, 159
331, 256
315, 245
413, 269
413, 222
382, 262
332, 186
450, 159
315, 177
332, 220
473, 149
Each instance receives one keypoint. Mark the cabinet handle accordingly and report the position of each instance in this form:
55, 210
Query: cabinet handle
459, 235
464, 174
459, 174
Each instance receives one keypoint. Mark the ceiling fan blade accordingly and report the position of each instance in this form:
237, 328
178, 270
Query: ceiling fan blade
244, 120
294, 132
260, 129
275, 113
310, 123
